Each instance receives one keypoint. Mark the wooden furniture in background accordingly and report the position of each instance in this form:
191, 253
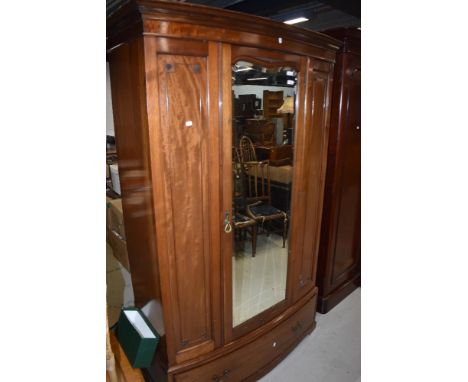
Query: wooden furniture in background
339, 265
124, 372
276, 155
260, 131
170, 66
272, 101
245, 105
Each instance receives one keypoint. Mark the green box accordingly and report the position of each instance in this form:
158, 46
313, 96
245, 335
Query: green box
137, 336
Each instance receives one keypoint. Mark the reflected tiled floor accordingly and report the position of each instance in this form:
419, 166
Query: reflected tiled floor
258, 282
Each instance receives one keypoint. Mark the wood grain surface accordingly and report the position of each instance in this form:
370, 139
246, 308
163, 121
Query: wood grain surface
339, 267
125, 371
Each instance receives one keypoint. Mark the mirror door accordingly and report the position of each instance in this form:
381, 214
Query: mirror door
262, 167
264, 94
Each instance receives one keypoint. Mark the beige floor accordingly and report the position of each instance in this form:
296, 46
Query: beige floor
258, 282
331, 353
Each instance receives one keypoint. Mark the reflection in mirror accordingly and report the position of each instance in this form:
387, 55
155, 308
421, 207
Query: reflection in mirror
263, 135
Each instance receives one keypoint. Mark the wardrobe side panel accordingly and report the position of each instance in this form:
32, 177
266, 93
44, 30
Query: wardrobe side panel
349, 199
344, 244
127, 74
339, 257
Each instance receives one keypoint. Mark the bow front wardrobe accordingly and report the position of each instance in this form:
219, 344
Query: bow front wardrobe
224, 248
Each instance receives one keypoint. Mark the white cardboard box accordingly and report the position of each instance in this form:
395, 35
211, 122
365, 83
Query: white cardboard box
114, 172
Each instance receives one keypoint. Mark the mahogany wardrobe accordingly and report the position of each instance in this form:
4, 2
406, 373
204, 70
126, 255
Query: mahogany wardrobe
339, 264
222, 245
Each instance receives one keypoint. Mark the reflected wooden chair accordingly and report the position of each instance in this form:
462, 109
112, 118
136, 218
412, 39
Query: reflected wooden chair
258, 198
246, 150
242, 223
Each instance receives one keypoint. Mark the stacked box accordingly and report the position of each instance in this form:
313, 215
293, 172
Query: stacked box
115, 231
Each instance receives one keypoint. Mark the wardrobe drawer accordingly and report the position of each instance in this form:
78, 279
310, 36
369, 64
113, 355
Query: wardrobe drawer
245, 361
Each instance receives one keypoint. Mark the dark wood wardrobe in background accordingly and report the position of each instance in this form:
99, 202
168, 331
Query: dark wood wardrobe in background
339, 263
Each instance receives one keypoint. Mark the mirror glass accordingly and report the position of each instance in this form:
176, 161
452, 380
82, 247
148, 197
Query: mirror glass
262, 157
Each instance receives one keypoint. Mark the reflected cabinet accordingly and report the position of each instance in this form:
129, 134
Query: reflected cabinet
221, 124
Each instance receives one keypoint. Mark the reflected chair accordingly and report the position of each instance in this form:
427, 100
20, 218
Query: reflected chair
242, 223
259, 205
246, 150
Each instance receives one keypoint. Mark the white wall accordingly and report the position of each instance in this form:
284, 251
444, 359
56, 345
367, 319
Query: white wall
258, 90
109, 115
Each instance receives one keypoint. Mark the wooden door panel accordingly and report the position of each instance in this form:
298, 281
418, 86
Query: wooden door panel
310, 179
347, 234
312, 184
184, 132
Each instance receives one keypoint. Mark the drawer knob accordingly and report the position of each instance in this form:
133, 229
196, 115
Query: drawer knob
297, 327
226, 373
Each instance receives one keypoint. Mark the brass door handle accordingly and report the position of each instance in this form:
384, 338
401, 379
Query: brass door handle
227, 223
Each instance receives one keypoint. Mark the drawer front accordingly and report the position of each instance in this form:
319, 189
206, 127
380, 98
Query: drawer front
245, 361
